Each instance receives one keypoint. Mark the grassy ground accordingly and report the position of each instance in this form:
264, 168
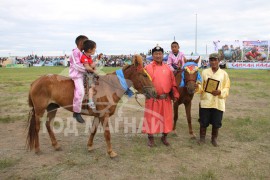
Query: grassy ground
243, 152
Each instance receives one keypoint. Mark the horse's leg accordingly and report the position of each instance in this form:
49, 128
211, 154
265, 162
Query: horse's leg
51, 112
38, 115
93, 132
188, 114
175, 117
107, 135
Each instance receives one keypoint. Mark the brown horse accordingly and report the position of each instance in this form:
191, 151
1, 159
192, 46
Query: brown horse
50, 92
186, 94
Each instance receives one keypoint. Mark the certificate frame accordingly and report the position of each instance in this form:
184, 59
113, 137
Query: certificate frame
211, 85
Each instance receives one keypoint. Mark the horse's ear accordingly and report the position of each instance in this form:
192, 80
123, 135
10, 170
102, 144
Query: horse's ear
197, 60
137, 60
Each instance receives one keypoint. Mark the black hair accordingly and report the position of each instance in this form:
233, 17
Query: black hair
88, 44
174, 42
80, 38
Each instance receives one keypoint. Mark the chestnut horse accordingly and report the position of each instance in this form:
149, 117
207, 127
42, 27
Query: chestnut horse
186, 94
50, 92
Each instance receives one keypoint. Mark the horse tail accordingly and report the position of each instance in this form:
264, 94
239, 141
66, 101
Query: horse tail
32, 132
30, 102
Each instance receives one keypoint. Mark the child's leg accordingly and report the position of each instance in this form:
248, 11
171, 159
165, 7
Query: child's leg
78, 95
91, 92
91, 103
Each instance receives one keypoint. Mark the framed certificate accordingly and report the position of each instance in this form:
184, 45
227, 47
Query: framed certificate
211, 85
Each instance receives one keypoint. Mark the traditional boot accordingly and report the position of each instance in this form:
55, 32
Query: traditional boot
151, 142
164, 139
202, 136
78, 117
214, 136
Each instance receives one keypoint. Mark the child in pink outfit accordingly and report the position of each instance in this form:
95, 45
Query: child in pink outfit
76, 72
176, 58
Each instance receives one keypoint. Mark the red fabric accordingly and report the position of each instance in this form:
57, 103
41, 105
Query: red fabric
86, 60
254, 55
191, 68
158, 114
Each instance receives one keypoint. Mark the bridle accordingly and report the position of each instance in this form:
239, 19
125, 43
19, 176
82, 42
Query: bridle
190, 70
144, 88
194, 79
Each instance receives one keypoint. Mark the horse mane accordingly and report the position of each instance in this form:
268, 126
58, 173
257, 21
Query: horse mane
126, 67
137, 60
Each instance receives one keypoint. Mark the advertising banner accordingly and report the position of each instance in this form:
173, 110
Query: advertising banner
248, 65
228, 50
255, 50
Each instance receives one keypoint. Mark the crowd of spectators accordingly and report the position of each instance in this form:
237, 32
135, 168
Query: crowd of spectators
2, 60
34, 59
105, 60
116, 60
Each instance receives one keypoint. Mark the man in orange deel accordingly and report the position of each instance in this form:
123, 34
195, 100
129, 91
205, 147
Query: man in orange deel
158, 114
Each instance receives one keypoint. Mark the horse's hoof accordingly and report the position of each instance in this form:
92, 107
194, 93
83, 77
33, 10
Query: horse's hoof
38, 152
57, 148
112, 154
193, 137
174, 133
90, 148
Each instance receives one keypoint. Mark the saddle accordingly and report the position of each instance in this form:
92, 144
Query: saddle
176, 68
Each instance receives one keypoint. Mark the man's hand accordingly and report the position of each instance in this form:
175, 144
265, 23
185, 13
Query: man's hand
96, 76
88, 70
175, 99
216, 92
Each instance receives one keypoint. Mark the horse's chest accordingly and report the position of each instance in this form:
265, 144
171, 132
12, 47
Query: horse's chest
185, 99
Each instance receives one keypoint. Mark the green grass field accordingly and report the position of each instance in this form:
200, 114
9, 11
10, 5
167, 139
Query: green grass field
244, 151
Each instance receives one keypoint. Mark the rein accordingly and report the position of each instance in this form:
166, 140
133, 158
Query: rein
136, 98
187, 80
136, 94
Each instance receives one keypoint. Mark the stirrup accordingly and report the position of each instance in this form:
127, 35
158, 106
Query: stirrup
91, 105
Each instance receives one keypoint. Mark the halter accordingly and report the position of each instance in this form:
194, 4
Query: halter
123, 83
190, 68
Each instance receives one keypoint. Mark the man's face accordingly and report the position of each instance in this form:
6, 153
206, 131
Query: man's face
214, 62
254, 49
158, 56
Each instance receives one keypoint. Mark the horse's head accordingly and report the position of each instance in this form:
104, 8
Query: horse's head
140, 78
191, 74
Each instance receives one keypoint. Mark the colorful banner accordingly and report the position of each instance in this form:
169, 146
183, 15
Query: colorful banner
228, 50
248, 65
255, 50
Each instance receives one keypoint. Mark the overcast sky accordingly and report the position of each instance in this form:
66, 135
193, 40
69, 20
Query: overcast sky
49, 27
